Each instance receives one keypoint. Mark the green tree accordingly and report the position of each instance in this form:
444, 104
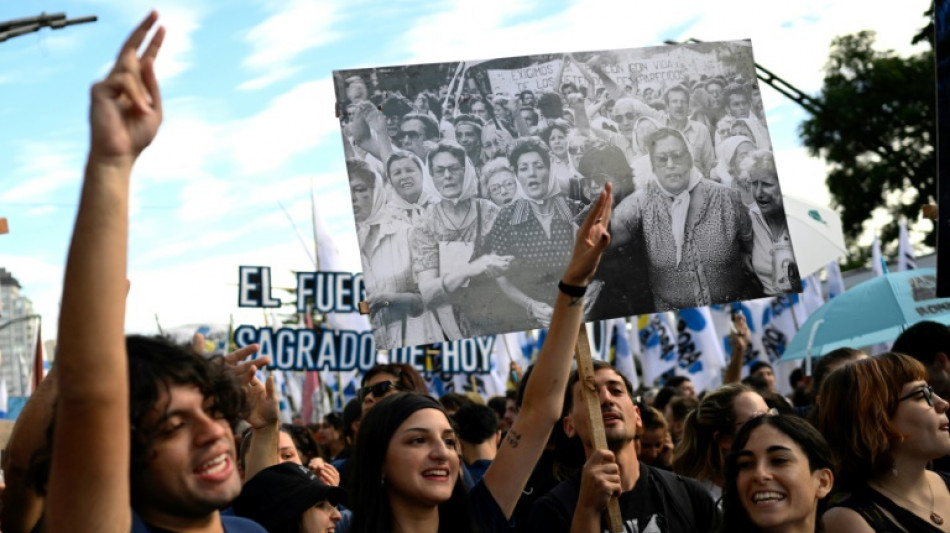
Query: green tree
876, 127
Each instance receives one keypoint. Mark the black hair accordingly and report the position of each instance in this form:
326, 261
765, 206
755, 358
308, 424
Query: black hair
359, 169
430, 127
369, 502
678, 88
155, 365
396, 106
476, 423
449, 147
407, 377
812, 443
575, 377
604, 158
665, 396
923, 341
335, 419
524, 145
557, 124
550, 105
307, 447
453, 401
499, 404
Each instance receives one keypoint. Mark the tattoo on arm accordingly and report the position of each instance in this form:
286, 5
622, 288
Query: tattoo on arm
575, 301
514, 438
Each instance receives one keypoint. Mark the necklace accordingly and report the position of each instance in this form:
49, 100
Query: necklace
451, 224
934, 517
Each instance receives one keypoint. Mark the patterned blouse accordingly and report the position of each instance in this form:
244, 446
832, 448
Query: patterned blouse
539, 260
717, 238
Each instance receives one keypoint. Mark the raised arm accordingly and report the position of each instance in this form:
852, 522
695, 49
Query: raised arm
740, 339
89, 477
22, 502
544, 393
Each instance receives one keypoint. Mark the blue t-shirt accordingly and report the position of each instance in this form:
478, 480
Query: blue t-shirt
232, 524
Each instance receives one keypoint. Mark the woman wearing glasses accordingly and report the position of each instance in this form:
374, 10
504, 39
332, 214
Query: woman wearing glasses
500, 182
885, 424
697, 234
387, 379
536, 232
451, 258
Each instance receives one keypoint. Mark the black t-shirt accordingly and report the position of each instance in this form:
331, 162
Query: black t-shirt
660, 502
486, 511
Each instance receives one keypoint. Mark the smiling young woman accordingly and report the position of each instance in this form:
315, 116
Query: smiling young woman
777, 476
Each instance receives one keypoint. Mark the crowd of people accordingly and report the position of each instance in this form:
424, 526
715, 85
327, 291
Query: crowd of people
466, 203
137, 433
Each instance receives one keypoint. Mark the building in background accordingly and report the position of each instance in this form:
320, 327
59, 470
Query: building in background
18, 324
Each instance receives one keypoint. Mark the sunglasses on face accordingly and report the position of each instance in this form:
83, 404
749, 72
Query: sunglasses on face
411, 135
378, 390
927, 391
629, 115
496, 188
664, 157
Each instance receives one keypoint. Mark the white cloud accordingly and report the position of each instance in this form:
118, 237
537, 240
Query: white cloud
295, 27
802, 175
293, 123
42, 168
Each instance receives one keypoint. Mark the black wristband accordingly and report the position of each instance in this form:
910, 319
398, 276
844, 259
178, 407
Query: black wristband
571, 290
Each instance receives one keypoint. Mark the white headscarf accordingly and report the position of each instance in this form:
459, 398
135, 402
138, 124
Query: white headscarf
724, 153
553, 187
680, 207
469, 180
378, 214
428, 195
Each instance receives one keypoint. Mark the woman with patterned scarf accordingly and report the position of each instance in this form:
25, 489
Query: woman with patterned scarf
697, 234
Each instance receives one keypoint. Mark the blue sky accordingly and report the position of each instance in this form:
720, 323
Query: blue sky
249, 123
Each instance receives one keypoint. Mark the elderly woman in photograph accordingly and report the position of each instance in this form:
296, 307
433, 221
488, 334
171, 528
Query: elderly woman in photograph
451, 261
772, 257
410, 190
556, 135
500, 182
537, 230
730, 153
396, 307
697, 234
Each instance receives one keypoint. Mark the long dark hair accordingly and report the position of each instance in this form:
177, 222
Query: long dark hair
815, 447
370, 503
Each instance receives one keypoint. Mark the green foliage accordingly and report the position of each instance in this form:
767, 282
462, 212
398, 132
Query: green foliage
877, 129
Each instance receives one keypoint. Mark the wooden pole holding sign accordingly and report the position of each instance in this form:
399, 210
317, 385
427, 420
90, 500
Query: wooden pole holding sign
585, 373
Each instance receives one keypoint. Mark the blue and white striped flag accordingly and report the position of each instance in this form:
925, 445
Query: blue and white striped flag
3, 397
623, 351
659, 352
905, 252
700, 350
835, 280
